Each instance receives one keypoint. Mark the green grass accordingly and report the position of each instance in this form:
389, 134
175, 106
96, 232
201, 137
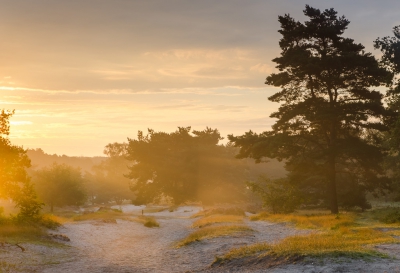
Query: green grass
212, 232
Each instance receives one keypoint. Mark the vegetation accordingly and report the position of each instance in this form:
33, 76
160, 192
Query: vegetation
60, 185
214, 219
184, 166
107, 181
220, 210
347, 234
330, 113
212, 232
14, 181
280, 195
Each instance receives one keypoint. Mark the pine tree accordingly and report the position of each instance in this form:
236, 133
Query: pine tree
328, 108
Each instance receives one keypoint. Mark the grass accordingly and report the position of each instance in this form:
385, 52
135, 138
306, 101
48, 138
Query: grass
389, 215
349, 234
212, 232
218, 218
224, 211
147, 221
14, 233
315, 221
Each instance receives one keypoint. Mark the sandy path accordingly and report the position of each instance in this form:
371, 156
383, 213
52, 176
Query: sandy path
130, 247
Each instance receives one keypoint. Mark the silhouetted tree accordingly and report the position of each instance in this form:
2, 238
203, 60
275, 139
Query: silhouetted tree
328, 105
184, 165
390, 47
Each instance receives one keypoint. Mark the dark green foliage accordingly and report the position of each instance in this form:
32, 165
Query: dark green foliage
390, 47
387, 215
329, 111
60, 185
280, 196
185, 166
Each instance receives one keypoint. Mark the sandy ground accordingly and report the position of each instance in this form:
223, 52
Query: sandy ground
128, 246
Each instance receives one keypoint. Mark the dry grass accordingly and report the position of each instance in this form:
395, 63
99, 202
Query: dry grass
147, 221
212, 232
10, 233
351, 242
224, 211
334, 235
218, 218
315, 221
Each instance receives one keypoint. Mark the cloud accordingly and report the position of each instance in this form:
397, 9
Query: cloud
262, 68
21, 122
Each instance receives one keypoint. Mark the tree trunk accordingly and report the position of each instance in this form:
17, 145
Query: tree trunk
51, 207
332, 186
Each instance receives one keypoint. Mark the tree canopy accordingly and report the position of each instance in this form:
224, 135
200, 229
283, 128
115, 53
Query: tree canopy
60, 185
14, 181
329, 109
108, 183
390, 47
184, 165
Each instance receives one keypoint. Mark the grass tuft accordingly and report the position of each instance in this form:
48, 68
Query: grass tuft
212, 232
224, 211
213, 219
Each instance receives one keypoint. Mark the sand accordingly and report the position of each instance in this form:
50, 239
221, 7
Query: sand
128, 246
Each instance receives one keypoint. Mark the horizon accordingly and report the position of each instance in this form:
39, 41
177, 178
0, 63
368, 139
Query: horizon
82, 74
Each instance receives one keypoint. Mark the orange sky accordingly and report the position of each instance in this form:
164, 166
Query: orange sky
84, 73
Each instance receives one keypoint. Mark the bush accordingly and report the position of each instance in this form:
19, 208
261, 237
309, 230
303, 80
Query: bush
279, 195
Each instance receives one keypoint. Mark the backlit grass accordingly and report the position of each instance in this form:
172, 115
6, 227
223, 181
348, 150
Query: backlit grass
218, 218
347, 234
224, 211
327, 221
350, 242
212, 232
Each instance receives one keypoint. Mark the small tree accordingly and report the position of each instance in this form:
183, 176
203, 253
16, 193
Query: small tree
279, 195
60, 185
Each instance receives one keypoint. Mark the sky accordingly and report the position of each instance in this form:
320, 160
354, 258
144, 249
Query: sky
84, 73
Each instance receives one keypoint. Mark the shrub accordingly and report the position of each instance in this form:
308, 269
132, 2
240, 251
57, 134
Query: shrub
278, 195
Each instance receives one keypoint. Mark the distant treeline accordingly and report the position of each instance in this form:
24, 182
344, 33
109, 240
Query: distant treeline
40, 159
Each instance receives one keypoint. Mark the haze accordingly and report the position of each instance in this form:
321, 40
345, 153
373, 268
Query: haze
81, 74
